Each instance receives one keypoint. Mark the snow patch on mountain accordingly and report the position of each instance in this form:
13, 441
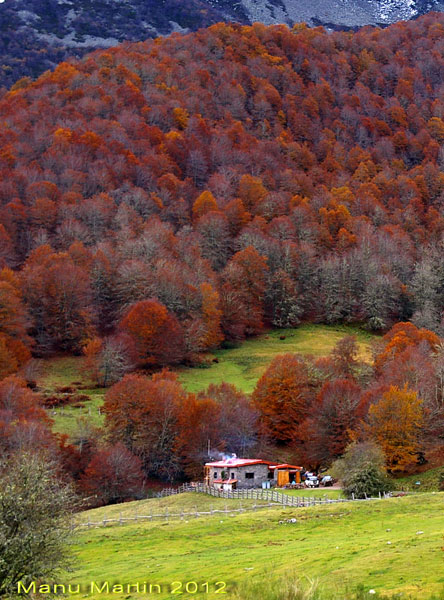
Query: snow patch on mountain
340, 12
402, 10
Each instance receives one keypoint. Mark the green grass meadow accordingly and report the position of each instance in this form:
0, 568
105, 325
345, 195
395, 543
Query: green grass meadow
376, 543
241, 366
63, 371
314, 493
244, 365
186, 502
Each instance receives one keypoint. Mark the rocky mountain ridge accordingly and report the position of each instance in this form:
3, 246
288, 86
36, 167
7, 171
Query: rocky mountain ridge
37, 34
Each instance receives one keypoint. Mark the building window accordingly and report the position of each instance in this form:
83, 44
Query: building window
232, 475
215, 474
270, 475
249, 475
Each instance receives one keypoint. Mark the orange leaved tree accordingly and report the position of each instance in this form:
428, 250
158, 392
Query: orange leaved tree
143, 414
400, 337
395, 423
282, 397
157, 334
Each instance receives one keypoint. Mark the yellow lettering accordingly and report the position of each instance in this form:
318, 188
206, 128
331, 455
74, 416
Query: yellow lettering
26, 590
94, 587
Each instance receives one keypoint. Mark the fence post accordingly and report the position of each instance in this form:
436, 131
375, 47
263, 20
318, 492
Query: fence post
120, 518
166, 514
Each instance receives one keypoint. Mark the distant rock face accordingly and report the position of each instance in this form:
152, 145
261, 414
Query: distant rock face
351, 13
37, 34
338, 13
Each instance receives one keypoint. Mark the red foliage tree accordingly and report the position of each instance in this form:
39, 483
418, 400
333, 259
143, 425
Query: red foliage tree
400, 337
24, 423
245, 281
156, 333
334, 417
113, 475
143, 414
282, 396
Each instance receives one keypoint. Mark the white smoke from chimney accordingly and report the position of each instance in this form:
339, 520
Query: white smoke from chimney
215, 454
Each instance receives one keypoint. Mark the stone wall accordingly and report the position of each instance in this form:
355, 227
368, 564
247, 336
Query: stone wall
243, 475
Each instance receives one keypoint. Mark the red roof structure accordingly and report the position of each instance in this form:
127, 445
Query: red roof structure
286, 466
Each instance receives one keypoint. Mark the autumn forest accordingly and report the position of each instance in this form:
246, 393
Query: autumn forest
165, 198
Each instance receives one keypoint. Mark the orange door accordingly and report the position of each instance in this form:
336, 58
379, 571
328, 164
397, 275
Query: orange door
283, 478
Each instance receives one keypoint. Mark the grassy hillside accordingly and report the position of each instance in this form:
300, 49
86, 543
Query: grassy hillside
241, 366
244, 365
67, 371
187, 502
341, 545
428, 481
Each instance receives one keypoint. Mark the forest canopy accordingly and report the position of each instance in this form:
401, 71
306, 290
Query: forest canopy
215, 183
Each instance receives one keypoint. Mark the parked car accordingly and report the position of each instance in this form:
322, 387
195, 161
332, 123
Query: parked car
311, 481
327, 480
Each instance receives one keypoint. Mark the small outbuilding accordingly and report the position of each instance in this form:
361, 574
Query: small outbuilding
286, 474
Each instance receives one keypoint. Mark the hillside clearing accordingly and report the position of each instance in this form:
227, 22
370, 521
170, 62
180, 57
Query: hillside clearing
68, 371
241, 366
341, 545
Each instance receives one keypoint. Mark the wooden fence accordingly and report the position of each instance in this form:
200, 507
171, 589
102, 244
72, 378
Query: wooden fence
269, 498
168, 516
261, 494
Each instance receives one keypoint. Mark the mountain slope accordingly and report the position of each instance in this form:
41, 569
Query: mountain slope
158, 163
37, 34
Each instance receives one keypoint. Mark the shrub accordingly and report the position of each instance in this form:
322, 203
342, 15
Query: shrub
361, 470
368, 480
